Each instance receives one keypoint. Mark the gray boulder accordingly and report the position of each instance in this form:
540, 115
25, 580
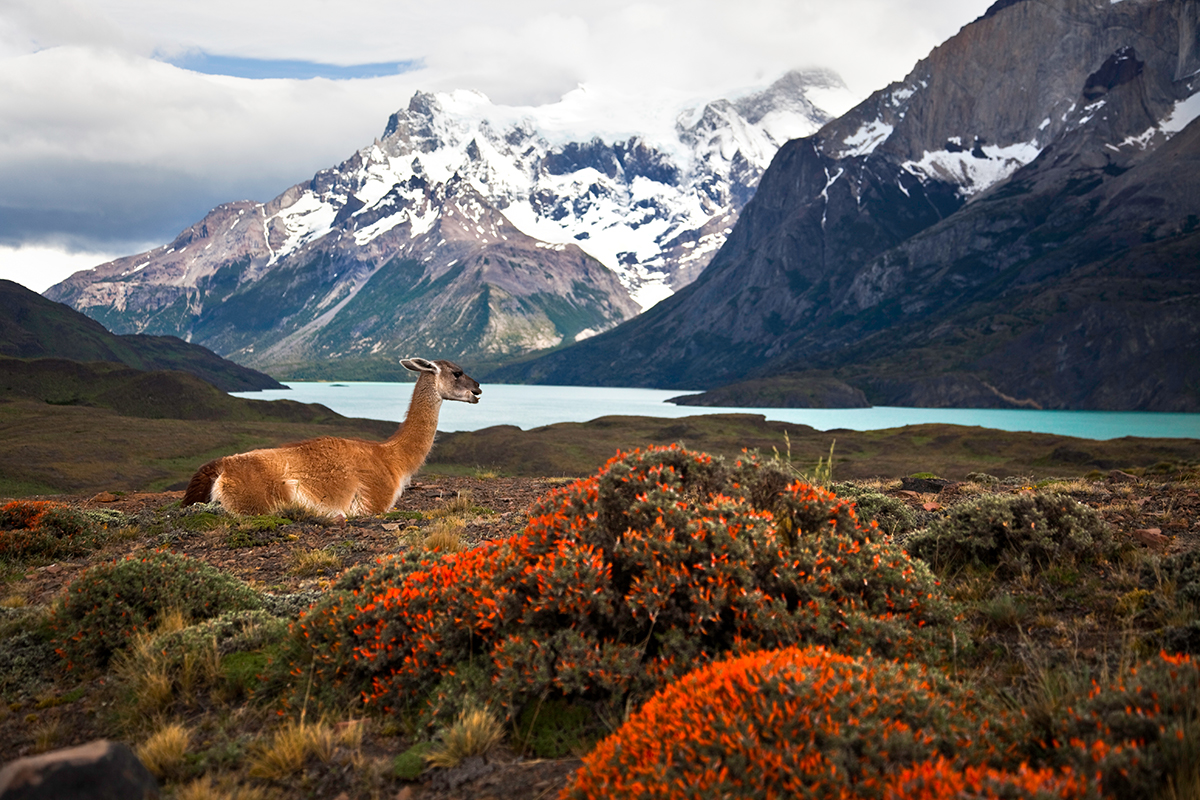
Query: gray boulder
99, 770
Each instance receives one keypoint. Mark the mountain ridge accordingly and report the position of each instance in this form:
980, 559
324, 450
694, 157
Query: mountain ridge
917, 248
579, 229
33, 327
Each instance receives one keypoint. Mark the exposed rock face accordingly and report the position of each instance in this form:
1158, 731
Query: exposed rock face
470, 230
99, 770
1014, 224
786, 391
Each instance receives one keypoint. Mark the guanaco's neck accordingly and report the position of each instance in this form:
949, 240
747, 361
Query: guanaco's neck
414, 437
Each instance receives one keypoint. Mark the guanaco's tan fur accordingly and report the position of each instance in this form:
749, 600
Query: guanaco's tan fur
332, 476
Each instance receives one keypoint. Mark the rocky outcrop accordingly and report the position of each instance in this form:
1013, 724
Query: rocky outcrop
1014, 223
99, 770
784, 391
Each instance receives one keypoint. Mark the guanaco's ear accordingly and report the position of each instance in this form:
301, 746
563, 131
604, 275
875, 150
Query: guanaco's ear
419, 365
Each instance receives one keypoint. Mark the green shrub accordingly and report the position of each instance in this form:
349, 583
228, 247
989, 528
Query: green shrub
1015, 533
290, 606
1182, 638
894, 516
556, 728
797, 722
107, 605
202, 521
624, 581
243, 670
409, 765
1183, 570
27, 659
232, 632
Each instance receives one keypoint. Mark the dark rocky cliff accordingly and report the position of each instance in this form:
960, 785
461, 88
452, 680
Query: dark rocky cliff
1014, 224
32, 327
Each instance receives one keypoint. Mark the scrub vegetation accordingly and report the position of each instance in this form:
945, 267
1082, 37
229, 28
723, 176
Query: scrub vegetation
675, 623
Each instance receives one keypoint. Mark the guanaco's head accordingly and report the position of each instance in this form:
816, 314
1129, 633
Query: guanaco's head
451, 382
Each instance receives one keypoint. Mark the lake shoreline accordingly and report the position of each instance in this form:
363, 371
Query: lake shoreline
532, 406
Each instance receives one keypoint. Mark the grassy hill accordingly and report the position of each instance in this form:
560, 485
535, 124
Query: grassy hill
33, 327
67, 426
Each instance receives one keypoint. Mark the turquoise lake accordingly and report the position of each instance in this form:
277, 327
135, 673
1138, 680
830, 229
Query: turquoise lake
532, 406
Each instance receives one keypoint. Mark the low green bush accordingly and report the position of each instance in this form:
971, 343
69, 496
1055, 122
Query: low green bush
1015, 533
104, 607
242, 671
202, 521
894, 516
556, 728
409, 765
231, 632
1183, 570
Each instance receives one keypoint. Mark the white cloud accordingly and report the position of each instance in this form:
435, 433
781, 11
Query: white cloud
39, 267
102, 145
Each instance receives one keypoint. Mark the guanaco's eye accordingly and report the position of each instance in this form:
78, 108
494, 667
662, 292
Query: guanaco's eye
458, 373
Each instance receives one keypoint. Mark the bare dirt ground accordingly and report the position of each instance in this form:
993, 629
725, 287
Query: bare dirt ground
1161, 516
362, 539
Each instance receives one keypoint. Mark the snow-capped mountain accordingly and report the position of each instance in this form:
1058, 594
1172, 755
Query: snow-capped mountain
1015, 223
550, 224
652, 206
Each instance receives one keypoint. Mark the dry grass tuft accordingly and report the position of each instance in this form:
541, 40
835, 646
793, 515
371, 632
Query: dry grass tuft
14, 601
47, 734
126, 533
146, 672
172, 620
445, 536
476, 733
155, 678
308, 563
291, 747
411, 536
1075, 487
164, 751
349, 734
225, 788
460, 506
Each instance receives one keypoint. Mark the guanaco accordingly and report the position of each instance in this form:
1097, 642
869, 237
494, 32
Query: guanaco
332, 476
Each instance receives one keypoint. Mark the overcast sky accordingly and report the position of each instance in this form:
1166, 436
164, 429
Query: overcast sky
124, 121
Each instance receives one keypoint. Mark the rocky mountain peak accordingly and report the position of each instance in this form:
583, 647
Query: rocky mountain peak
542, 234
983, 231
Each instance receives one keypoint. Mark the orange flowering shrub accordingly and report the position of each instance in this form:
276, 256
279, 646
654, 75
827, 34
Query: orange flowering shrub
939, 779
46, 529
622, 582
1140, 732
24, 513
796, 722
